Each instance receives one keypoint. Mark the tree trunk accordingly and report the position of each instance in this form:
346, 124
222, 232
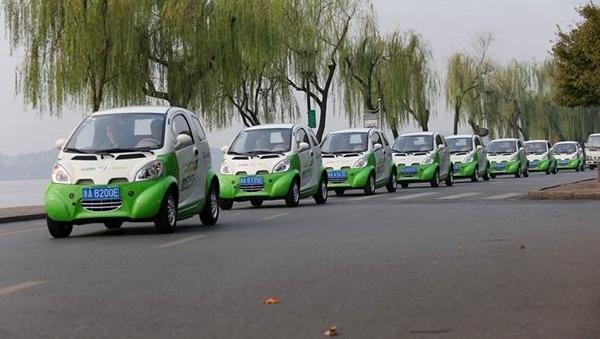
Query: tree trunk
456, 117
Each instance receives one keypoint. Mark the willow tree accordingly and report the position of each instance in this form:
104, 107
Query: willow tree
74, 51
465, 84
315, 33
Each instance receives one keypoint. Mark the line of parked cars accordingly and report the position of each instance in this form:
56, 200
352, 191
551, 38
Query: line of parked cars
154, 164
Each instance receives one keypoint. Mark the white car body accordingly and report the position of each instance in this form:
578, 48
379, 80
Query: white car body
592, 150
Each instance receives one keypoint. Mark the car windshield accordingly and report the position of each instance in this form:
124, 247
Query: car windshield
594, 140
262, 141
345, 143
565, 148
458, 145
413, 143
507, 146
121, 132
536, 147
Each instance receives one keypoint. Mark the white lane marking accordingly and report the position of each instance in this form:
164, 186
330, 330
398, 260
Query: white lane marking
459, 196
503, 196
181, 241
3, 234
273, 216
15, 288
362, 198
414, 196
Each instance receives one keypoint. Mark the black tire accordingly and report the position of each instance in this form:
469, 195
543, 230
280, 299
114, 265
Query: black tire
449, 177
339, 192
404, 184
475, 175
322, 193
549, 169
226, 204
577, 168
518, 174
113, 225
486, 175
166, 219
256, 202
582, 166
435, 181
592, 167
493, 175
59, 229
392, 184
370, 187
292, 198
210, 213
526, 172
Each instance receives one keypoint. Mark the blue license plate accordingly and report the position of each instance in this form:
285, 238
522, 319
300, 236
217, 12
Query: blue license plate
456, 168
533, 164
100, 193
336, 174
564, 162
408, 170
253, 180
499, 165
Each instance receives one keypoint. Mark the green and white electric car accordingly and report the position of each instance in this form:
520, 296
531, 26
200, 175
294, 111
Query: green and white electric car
507, 156
540, 156
269, 162
422, 157
468, 157
569, 156
592, 150
358, 158
133, 164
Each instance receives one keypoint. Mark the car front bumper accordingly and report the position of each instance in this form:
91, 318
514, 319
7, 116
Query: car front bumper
464, 169
539, 165
276, 186
355, 178
138, 201
570, 164
424, 173
510, 167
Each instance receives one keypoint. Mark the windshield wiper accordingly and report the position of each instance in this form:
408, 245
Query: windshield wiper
123, 150
75, 150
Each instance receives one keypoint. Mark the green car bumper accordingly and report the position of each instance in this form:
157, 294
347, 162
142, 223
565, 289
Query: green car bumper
570, 164
464, 169
507, 167
355, 178
139, 201
416, 173
539, 165
275, 186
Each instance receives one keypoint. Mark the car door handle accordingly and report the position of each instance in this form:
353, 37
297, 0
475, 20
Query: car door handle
196, 151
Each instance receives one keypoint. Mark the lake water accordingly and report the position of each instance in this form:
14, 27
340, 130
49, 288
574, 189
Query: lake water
22, 192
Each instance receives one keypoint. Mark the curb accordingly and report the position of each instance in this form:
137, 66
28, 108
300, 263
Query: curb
26, 217
546, 194
23, 213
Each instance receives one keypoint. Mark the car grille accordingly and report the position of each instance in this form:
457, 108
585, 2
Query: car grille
252, 188
101, 205
336, 180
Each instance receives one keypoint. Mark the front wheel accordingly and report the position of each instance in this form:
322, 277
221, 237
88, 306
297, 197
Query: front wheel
486, 175
59, 229
210, 212
392, 183
435, 181
321, 195
166, 220
113, 225
493, 175
526, 172
518, 174
450, 177
475, 175
370, 188
292, 198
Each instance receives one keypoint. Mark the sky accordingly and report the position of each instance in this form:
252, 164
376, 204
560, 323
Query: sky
522, 29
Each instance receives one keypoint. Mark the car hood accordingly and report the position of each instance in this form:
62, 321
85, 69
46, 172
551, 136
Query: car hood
340, 161
537, 157
255, 164
410, 158
568, 156
460, 157
500, 157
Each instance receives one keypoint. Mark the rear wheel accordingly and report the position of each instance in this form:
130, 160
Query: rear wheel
339, 192
526, 172
226, 204
518, 174
450, 177
292, 199
113, 225
166, 220
435, 181
321, 195
392, 183
475, 175
486, 175
404, 184
59, 229
370, 188
210, 213
256, 202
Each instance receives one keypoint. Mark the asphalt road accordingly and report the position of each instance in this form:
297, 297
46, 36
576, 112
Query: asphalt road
469, 261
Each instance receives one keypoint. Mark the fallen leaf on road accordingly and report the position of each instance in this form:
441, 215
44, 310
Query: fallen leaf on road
271, 301
331, 331
522, 246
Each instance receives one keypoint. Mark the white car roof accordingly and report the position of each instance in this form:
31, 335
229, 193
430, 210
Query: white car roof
505, 139
136, 109
536, 141
270, 126
354, 130
417, 134
594, 135
566, 142
460, 136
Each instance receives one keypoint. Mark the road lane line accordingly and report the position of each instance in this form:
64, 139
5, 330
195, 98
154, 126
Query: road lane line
181, 241
459, 196
414, 196
362, 198
503, 196
273, 216
3, 234
24, 285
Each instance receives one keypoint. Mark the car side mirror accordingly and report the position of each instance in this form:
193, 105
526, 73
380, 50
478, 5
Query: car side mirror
377, 147
60, 143
224, 148
183, 141
479, 147
521, 149
441, 146
303, 146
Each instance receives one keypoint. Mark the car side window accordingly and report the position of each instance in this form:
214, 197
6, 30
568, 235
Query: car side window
198, 125
477, 142
375, 139
385, 140
301, 136
181, 125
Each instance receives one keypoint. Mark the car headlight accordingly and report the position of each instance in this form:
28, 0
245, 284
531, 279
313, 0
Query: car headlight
514, 157
60, 175
428, 159
469, 157
226, 168
151, 170
282, 166
362, 162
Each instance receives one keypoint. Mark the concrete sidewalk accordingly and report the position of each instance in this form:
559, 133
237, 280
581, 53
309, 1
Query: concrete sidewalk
21, 213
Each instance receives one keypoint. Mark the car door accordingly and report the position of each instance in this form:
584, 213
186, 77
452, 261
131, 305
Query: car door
387, 152
203, 149
443, 154
187, 161
481, 154
306, 158
317, 161
379, 155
